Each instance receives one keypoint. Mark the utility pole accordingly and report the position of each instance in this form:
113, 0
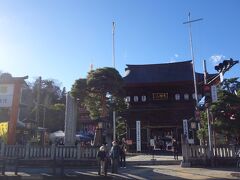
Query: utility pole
208, 113
189, 22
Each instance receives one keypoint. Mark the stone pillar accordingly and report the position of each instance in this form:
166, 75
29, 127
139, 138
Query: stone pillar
185, 153
70, 121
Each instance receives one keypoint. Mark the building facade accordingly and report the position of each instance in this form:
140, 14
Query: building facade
160, 97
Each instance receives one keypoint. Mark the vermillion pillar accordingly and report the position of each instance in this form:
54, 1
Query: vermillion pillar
10, 98
14, 113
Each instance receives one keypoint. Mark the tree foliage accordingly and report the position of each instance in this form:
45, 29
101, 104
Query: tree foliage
101, 92
51, 104
226, 110
202, 133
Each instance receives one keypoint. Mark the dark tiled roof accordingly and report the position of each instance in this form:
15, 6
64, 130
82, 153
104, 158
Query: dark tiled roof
160, 73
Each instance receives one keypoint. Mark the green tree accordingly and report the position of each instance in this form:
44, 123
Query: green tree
51, 98
55, 117
202, 133
101, 92
226, 111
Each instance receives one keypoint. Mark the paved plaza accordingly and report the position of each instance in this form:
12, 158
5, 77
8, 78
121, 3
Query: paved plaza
133, 171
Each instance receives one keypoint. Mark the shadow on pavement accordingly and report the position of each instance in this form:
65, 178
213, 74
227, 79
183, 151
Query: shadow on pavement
131, 172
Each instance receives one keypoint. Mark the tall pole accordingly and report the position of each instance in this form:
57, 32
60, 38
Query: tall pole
113, 56
113, 43
192, 54
38, 100
114, 125
208, 112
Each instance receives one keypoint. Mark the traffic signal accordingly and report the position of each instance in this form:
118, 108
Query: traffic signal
225, 65
207, 94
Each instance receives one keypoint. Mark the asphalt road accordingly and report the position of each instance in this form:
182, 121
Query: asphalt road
131, 172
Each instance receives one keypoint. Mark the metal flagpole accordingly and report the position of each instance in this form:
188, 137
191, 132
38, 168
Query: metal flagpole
113, 56
192, 54
193, 61
113, 43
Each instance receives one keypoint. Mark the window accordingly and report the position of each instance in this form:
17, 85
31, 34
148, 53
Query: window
128, 99
177, 97
186, 96
144, 98
135, 98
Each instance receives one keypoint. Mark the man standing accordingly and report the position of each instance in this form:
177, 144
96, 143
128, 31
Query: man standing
114, 155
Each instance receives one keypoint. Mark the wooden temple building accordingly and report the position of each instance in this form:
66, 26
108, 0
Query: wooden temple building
160, 97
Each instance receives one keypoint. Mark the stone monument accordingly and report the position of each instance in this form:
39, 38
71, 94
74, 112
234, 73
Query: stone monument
70, 120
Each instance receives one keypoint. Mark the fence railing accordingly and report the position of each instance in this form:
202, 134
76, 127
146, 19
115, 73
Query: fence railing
197, 154
47, 152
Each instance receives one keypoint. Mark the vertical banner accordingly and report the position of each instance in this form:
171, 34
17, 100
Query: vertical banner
138, 135
221, 77
214, 93
185, 129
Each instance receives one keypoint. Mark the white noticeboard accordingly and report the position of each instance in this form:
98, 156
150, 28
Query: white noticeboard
138, 135
214, 93
6, 95
185, 129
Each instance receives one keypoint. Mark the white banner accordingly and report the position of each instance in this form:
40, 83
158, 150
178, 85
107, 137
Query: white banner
6, 95
214, 93
138, 135
185, 129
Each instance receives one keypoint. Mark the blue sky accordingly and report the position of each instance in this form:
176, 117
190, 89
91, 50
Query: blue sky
59, 39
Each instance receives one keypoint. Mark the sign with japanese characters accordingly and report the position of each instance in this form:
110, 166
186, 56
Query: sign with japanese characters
160, 96
6, 95
138, 135
214, 93
185, 129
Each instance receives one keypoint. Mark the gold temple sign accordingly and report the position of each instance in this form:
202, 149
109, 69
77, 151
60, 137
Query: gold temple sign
160, 96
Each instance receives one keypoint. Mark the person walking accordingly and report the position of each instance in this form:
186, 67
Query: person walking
102, 160
114, 155
123, 149
175, 148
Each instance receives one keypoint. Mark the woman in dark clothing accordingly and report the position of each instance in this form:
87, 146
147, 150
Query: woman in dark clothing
102, 160
122, 146
175, 149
